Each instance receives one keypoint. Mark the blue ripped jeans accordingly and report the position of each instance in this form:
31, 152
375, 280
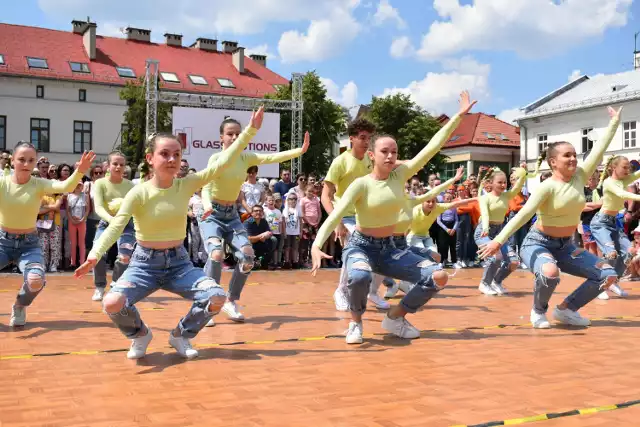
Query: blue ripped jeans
171, 270
126, 242
24, 250
612, 241
539, 249
496, 269
364, 255
224, 226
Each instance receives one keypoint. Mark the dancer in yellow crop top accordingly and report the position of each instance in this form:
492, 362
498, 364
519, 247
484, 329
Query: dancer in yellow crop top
378, 199
20, 199
108, 194
160, 261
612, 242
548, 247
494, 206
221, 223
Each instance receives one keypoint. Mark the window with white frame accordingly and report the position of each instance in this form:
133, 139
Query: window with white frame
542, 142
197, 80
169, 77
629, 134
587, 143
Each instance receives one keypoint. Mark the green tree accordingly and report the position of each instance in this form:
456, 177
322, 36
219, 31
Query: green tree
398, 116
135, 118
323, 118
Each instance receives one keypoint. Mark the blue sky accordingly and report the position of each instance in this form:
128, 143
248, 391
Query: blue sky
506, 52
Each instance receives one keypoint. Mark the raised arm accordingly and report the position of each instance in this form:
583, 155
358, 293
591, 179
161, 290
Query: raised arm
597, 152
522, 178
631, 178
67, 186
350, 197
283, 156
439, 139
432, 194
609, 185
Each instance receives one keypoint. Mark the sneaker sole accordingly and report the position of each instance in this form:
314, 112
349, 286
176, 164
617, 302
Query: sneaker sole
355, 342
546, 325
183, 355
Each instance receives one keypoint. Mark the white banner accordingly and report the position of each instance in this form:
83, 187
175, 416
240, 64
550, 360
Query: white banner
199, 132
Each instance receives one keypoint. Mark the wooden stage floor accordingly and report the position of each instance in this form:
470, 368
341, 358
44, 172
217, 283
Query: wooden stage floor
478, 361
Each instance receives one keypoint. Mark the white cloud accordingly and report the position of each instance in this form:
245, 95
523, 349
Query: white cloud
262, 49
510, 115
323, 39
575, 75
192, 18
347, 96
439, 92
386, 12
532, 28
401, 47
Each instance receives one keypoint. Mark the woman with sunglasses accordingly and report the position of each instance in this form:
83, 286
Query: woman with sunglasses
220, 223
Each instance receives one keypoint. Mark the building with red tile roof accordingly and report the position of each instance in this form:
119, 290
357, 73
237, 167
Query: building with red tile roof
60, 89
481, 139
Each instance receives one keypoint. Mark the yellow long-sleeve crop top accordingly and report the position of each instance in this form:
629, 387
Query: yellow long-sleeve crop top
406, 215
558, 203
494, 208
160, 214
227, 186
344, 170
378, 203
422, 222
615, 192
104, 192
20, 203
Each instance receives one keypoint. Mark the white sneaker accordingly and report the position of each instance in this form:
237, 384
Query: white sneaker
183, 346
404, 286
354, 333
400, 327
231, 309
392, 291
53, 270
616, 289
341, 299
569, 317
523, 266
139, 346
380, 303
603, 295
458, 265
486, 289
463, 264
18, 316
98, 294
498, 288
210, 323
539, 321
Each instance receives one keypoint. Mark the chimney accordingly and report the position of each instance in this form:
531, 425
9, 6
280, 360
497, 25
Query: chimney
89, 40
229, 47
209, 45
238, 59
173, 39
636, 59
260, 59
138, 34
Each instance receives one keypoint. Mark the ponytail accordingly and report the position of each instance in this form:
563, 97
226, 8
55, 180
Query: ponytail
605, 172
541, 158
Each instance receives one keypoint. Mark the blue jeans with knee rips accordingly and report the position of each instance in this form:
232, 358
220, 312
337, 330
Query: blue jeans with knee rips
25, 251
365, 255
611, 240
224, 226
126, 242
496, 267
171, 270
539, 249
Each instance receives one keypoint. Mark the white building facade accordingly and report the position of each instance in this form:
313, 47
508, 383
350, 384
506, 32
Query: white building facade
577, 113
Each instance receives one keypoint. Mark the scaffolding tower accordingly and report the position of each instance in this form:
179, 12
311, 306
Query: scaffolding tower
295, 105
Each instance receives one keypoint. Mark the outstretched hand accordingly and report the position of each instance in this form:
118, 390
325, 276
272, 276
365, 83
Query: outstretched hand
488, 249
459, 173
256, 118
316, 259
85, 268
85, 161
613, 113
465, 103
307, 141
